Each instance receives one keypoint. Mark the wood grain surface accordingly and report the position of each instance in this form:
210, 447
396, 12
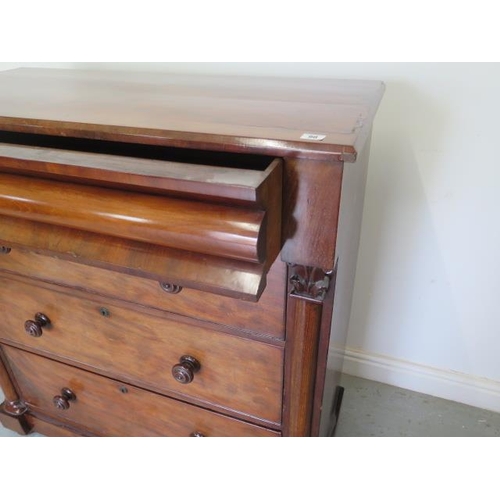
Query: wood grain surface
311, 200
261, 115
238, 179
232, 232
303, 328
106, 407
265, 317
252, 170
239, 279
242, 375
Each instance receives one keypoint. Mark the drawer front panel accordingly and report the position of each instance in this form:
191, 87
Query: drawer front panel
110, 408
236, 373
265, 316
232, 232
219, 228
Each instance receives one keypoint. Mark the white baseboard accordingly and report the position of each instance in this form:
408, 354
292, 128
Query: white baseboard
463, 388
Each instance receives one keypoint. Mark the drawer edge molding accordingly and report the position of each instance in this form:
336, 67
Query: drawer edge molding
238, 279
220, 230
264, 318
270, 337
229, 371
133, 382
224, 248
100, 402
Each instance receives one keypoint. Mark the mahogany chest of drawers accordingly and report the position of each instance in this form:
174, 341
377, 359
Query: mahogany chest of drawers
177, 253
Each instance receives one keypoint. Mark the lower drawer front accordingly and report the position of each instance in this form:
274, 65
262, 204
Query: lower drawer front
236, 373
109, 408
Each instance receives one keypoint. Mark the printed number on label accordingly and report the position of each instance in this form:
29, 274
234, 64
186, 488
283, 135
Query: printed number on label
313, 137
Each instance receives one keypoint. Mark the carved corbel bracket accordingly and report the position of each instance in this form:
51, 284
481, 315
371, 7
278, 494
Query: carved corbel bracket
309, 282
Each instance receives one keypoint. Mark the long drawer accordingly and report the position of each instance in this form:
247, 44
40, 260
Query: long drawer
263, 317
103, 406
205, 226
241, 375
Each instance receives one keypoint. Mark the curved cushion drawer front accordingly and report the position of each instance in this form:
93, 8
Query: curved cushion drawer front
231, 232
102, 406
215, 228
244, 376
265, 317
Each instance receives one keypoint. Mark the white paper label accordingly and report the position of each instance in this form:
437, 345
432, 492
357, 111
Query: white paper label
313, 137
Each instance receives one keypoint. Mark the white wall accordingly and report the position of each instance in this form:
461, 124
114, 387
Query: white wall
426, 310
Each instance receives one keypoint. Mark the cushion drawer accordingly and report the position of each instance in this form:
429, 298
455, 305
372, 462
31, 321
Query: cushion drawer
204, 226
264, 317
106, 407
236, 373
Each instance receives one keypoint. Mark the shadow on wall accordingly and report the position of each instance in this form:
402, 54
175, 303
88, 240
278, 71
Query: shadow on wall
403, 303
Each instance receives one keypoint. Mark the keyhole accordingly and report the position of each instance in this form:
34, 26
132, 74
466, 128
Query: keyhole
104, 312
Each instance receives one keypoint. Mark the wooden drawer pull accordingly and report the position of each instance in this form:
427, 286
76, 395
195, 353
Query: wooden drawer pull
61, 402
170, 287
34, 328
185, 370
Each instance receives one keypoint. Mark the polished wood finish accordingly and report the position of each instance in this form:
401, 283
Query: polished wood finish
16, 424
265, 317
13, 408
238, 180
240, 375
103, 409
55, 428
8, 388
195, 236
304, 313
338, 305
323, 377
238, 279
258, 115
199, 230
235, 233
312, 192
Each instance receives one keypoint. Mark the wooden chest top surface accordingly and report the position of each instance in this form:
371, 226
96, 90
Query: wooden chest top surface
243, 113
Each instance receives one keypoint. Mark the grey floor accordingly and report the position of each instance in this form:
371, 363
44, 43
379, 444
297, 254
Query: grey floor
373, 409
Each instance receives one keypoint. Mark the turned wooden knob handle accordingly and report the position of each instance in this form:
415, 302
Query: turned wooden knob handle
61, 402
34, 328
170, 287
185, 370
